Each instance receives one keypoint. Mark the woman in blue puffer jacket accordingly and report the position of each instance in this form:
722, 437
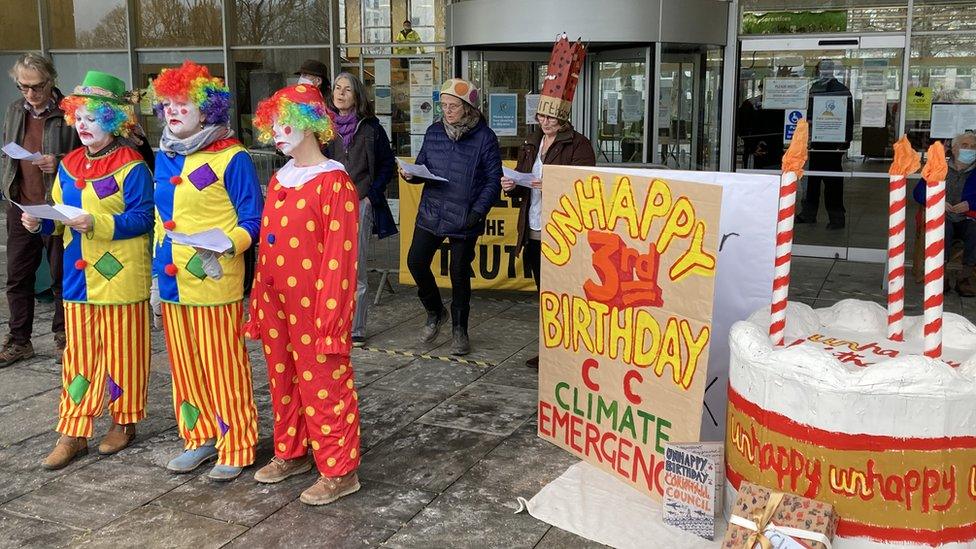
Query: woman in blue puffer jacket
462, 149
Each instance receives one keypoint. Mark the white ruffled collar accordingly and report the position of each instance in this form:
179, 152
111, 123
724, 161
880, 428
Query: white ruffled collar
291, 175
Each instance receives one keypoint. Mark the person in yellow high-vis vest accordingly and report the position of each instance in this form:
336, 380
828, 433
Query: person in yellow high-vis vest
205, 181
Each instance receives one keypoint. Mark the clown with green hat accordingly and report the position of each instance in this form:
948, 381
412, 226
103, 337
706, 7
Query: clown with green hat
106, 273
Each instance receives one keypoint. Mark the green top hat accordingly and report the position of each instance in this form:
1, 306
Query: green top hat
101, 85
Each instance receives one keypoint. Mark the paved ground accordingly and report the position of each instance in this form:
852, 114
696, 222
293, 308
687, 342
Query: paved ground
446, 446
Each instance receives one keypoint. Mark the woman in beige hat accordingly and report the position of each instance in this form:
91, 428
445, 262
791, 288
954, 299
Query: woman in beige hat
462, 149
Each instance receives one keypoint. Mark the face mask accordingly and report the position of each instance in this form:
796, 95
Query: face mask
966, 156
89, 131
183, 119
286, 138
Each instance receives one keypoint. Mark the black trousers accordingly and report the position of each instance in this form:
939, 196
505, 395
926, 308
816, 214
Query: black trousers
532, 256
422, 249
24, 251
833, 187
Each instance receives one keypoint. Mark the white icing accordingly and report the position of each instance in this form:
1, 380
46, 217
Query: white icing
907, 396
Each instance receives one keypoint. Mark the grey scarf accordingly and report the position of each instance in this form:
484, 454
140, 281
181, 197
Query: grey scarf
467, 122
170, 144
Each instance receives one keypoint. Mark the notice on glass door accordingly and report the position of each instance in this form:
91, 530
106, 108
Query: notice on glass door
503, 113
874, 109
829, 119
785, 93
631, 105
531, 106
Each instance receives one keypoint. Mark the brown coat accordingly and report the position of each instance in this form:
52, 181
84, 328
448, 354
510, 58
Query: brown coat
570, 148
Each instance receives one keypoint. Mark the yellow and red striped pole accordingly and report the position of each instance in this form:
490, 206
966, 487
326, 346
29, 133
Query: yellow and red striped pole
906, 162
793, 161
934, 174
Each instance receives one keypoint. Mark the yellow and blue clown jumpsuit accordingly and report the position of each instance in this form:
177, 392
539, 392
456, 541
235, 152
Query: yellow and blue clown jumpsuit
215, 187
106, 288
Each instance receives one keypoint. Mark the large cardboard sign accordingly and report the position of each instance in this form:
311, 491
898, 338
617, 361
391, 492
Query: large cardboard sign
628, 273
496, 267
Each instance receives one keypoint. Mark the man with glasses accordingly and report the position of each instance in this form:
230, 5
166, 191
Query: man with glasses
36, 123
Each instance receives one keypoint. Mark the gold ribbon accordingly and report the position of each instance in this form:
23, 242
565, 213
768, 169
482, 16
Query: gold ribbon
762, 520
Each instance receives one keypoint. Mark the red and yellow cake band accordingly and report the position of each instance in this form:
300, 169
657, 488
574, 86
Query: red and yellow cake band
212, 392
890, 489
107, 345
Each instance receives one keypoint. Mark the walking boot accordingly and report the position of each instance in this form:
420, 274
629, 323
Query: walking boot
280, 469
117, 439
13, 351
191, 459
461, 345
66, 450
967, 283
60, 342
433, 325
328, 489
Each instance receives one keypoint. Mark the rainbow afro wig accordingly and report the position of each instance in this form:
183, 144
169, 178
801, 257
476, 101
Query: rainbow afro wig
301, 107
192, 83
114, 118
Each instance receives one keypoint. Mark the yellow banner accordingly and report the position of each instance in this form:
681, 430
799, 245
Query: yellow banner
496, 267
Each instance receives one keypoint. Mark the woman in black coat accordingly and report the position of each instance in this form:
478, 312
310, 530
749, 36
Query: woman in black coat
362, 146
462, 149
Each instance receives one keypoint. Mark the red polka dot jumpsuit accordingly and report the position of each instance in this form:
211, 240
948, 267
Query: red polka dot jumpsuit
302, 307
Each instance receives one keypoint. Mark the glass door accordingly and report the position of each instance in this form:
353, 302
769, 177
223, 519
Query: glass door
619, 100
850, 88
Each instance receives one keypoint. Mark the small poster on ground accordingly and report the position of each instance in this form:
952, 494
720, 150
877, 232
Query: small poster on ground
693, 479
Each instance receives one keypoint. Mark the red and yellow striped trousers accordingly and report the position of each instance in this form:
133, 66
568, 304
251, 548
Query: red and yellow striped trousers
212, 392
107, 347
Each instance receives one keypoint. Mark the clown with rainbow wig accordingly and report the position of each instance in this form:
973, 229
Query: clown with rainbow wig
106, 270
303, 298
205, 182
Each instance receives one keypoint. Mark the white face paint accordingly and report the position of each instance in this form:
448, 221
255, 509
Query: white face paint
286, 138
89, 130
182, 119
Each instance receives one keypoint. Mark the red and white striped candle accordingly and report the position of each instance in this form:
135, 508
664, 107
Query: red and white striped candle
935, 192
934, 174
793, 161
784, 254
896, 256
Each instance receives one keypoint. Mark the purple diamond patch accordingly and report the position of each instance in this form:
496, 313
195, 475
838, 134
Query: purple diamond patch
114, 391
223, 426
105, 187
202, 177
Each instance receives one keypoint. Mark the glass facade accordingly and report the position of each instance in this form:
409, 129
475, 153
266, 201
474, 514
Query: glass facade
256, 45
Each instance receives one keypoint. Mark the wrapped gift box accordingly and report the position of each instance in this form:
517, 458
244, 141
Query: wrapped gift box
794, 519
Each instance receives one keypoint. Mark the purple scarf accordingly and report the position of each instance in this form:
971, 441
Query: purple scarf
346, 126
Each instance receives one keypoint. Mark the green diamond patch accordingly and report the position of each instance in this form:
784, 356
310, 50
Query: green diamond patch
77, 388
189, 415
108, 266
195, 267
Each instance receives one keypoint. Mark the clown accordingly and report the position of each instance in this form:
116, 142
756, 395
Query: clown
106, 271
204, 180
304, 296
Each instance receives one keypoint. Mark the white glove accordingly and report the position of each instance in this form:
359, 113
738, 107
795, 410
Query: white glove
156, 303
211, 264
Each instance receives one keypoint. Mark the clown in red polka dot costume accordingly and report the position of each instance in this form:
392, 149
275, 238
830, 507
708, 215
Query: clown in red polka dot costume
304, 296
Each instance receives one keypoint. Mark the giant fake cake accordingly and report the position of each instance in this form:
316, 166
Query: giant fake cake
843, 415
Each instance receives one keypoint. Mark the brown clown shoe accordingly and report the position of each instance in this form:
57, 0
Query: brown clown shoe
328, 489
280, 469
66, 450
117, 439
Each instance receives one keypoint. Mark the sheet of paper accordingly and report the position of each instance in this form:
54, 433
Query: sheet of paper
60, 212
17, 152
417, 170
874, 109
520, 178
212, 239
943, 125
